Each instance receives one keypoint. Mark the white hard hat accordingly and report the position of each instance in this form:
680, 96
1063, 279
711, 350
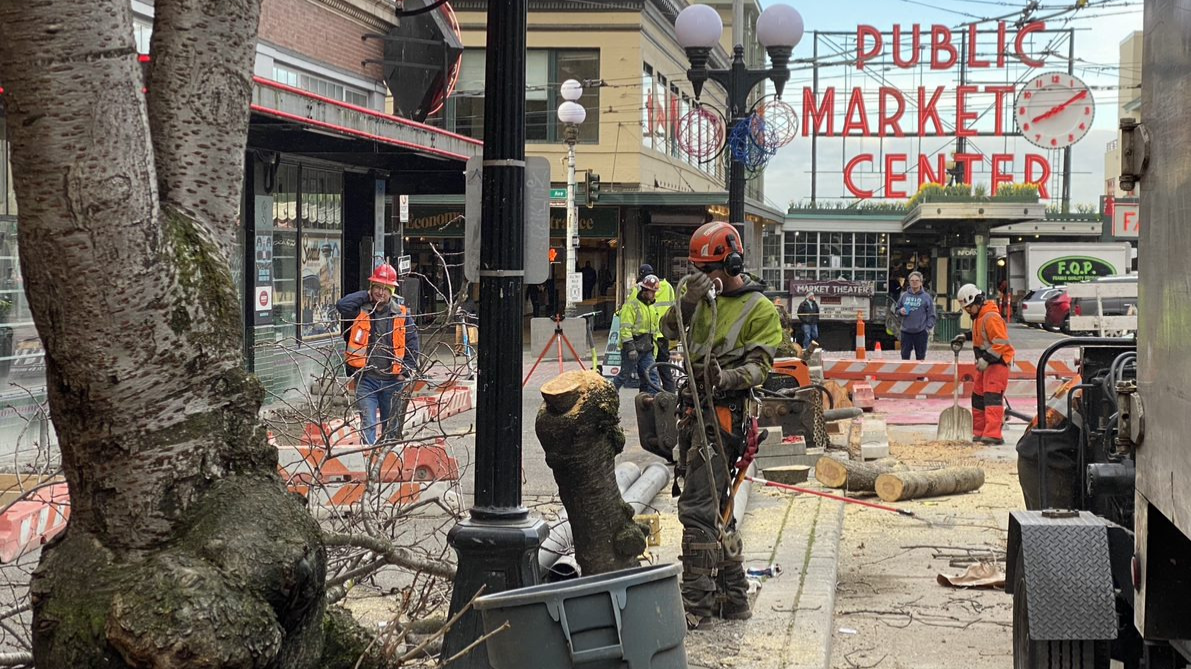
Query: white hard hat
967, 294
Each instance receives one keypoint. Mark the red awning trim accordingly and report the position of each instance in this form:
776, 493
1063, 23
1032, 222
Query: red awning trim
357, 133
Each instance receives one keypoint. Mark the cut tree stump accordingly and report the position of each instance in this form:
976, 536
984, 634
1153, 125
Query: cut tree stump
898, 486
853, 475
789, 474
578, 426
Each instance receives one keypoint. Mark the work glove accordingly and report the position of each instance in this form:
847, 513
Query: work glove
631, 354
697, 287
708, 369
982, 364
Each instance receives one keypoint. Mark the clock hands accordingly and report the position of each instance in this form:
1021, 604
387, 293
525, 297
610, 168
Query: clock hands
1055, 111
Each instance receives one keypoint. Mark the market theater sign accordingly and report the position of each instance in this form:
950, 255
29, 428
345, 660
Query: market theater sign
885, 115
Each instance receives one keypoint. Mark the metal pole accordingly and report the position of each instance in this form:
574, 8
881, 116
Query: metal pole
497, 545
982, 262
737, 22
738, 91
813, 131
961, 143
572, 221
1067, 151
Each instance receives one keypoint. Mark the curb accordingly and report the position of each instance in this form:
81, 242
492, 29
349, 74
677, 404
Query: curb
817, 594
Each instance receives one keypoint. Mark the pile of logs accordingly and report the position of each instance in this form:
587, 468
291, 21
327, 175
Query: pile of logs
891, 480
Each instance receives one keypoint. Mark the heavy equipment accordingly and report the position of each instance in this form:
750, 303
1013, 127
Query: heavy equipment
1100, 562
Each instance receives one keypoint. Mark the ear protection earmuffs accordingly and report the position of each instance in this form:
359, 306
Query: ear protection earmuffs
734, 261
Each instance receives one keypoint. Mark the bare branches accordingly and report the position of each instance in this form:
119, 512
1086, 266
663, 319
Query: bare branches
392, 554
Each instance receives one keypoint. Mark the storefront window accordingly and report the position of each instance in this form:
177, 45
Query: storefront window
322, 251
285, 252
771, 256
859, 256
583, 66
647, 106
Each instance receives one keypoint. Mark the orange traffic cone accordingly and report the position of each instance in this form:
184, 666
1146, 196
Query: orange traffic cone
877, 349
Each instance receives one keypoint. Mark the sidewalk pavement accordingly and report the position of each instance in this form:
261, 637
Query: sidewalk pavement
791, 627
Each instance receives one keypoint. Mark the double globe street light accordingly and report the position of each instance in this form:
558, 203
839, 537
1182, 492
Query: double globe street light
779, 29
572, 114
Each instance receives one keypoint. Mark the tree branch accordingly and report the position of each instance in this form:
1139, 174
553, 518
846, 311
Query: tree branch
16, 659
394, 555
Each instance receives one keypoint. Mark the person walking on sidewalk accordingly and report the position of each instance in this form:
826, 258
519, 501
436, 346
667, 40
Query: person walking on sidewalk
808, 316
917, 308
638, 337
731, 349
382, 348
994, 355
662, 301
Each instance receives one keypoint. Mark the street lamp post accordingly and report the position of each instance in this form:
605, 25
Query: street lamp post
572, 114
498, 543
779, 29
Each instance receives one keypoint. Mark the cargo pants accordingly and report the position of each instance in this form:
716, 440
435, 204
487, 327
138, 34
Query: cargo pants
988, 401
713, 583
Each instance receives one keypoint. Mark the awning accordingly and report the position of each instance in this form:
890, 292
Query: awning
293, 121
970, 216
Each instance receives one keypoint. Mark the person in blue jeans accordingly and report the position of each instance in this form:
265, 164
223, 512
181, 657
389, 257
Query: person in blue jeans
639, 332
808, 315
917, 309
382, 351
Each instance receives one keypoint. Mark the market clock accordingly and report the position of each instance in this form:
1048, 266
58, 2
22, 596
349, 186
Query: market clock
1054, 110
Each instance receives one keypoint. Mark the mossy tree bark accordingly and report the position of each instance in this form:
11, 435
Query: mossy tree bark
579, 429
183, 549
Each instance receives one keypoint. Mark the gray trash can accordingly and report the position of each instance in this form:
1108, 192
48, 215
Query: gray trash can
628, 619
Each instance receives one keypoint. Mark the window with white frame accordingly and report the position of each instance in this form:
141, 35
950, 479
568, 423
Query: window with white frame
852, 256
284, 74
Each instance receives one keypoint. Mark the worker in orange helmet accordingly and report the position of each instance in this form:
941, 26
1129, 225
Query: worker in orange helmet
730, 340
994, 355
382, 349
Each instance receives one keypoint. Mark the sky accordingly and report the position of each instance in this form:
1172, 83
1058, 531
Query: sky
1100, 29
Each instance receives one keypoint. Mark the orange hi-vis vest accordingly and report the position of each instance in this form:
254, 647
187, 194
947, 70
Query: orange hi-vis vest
990, 334
357, 341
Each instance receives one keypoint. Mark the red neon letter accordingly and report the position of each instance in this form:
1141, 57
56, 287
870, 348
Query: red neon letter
1001, 44
817, 115
856, 106
1131, 223
891, 178
965, 161
891, 121
998, 176
972, 60
927, 110
924, 170
962, 115
1001, 92
852, 187
1019, 44
915, 46
1033, 159
940, 40
861, 55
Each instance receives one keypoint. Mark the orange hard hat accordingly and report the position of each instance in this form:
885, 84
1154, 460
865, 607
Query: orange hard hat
714, 242
650, 282
385, 275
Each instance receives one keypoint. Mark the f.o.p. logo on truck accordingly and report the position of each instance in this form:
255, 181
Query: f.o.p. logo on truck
1073, 269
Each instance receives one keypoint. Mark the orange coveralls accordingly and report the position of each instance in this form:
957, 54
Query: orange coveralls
990, 340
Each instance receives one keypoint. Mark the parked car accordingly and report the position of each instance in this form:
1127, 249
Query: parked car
1032, 308
1058, 313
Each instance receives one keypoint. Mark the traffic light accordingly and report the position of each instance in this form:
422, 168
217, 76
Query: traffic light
593, 188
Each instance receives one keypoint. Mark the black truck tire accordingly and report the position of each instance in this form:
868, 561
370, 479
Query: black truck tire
1031, 654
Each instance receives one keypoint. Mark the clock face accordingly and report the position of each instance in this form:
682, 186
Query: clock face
1054, 110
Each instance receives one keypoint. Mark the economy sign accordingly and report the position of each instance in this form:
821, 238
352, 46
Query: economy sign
1073, 269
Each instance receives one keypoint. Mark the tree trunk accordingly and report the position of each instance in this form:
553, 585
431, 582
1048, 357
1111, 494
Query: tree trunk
579, 428
898, 486
853, 475
184, 549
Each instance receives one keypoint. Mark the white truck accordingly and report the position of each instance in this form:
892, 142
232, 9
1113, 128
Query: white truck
1042, 264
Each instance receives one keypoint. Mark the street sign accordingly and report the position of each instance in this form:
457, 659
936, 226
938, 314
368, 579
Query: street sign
404, 211
574, 287
404, 264
558, 195
537, 220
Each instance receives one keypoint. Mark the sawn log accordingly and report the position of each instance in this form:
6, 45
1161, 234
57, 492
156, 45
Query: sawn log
852, 474
898, 486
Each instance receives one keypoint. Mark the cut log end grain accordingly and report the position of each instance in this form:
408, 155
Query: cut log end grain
564, 391
788, 475
899, 486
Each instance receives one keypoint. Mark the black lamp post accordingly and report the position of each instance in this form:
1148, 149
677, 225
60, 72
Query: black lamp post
498, 544
779, 29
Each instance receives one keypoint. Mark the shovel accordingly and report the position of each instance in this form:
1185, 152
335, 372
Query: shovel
955, 423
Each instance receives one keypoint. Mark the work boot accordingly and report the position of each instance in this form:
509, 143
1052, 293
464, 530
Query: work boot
991, 441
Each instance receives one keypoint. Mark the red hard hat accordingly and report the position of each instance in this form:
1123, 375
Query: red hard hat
650, 282
385, 275
714, 242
